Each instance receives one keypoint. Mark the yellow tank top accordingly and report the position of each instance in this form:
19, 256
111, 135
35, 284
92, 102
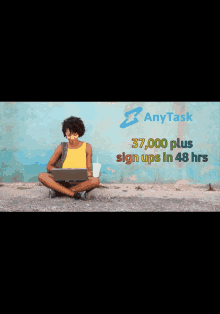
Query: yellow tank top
76, 158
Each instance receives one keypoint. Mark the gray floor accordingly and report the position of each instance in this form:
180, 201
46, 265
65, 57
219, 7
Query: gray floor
30, 197
111, 205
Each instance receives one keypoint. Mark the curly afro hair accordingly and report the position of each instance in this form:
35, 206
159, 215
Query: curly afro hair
75, 125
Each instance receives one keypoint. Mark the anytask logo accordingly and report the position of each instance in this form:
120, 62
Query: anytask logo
136, 111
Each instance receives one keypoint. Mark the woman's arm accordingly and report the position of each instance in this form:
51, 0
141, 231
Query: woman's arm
89, 159
54, 158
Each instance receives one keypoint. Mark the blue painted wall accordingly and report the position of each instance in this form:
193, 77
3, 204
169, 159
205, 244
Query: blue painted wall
30, 132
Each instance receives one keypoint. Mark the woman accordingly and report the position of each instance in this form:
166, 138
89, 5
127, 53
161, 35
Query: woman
79, 155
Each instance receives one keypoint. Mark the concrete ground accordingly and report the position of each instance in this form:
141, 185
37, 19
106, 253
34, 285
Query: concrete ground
127, 197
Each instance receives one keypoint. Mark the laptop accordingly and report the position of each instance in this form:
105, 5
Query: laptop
69, 175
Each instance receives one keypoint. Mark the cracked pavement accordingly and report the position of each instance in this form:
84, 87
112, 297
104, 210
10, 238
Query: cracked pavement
126, 197
113, 197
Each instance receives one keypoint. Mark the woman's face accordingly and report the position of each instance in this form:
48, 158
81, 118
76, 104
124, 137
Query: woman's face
71, 136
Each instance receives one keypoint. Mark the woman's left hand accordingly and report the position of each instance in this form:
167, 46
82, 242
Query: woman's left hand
90, 173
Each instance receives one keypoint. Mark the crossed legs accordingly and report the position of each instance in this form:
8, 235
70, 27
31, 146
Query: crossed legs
47, 180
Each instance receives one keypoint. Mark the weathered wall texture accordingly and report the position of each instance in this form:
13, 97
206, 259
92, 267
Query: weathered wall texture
30, 132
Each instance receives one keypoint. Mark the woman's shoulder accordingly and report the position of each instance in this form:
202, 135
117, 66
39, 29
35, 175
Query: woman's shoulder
88, 147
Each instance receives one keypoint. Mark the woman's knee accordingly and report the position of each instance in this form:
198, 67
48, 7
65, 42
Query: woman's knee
95, 181
42, 176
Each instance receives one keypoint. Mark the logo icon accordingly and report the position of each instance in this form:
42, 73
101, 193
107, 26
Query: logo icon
125, 124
